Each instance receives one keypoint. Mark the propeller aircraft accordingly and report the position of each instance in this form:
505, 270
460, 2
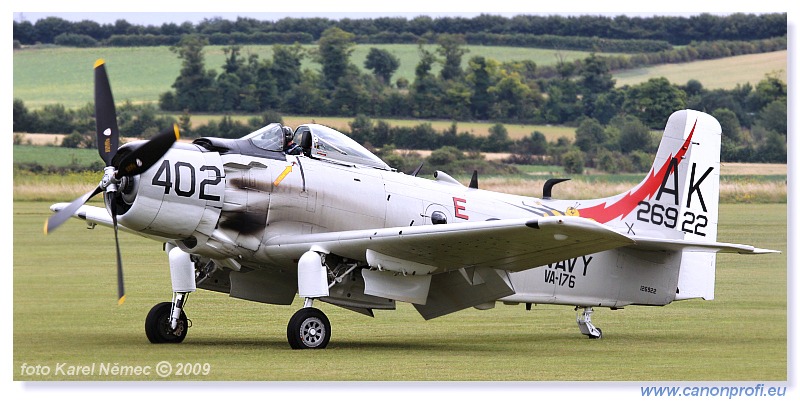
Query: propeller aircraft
331, 222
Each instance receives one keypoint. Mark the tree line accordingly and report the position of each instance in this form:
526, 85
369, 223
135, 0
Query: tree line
624, 143
653, 33
613, 124
512, 92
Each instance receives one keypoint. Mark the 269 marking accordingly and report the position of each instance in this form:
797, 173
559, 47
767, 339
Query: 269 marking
668, 216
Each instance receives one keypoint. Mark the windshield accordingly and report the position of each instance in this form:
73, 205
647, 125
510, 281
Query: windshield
269, 137
330, 144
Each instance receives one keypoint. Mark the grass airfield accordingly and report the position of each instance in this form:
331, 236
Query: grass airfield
65, 313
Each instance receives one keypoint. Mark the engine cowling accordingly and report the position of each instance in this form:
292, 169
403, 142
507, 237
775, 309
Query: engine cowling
178, 197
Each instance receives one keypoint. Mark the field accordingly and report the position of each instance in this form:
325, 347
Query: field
714, 74
65, 312
63, 75
139, 74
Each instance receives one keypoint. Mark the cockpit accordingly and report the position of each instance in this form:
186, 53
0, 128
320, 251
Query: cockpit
317, 141
322, 142
269, 137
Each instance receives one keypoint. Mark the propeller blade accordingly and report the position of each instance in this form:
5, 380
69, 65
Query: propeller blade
142, 158
120, 281
105, 114
107, 145
64, 214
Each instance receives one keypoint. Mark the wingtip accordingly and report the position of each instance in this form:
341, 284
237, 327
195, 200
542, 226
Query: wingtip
759, 251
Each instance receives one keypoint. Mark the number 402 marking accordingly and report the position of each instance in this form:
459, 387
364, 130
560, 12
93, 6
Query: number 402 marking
163, 177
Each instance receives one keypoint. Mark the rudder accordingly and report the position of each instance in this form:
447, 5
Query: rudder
679, 198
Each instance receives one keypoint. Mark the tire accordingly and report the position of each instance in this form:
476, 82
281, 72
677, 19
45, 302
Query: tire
157, 327
308, 328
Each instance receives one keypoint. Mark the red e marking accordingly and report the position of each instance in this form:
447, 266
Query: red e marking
459, 208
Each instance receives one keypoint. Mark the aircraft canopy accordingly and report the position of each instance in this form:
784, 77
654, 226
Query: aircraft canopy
322, 142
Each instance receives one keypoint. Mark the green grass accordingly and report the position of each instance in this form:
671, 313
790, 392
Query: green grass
56, 156
64, 75
140, 74
65, 312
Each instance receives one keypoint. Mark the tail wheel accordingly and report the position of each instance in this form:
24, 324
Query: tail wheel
308, 328
157, 326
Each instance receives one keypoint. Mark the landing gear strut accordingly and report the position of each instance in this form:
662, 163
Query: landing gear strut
585, 323
308, 328
167, 322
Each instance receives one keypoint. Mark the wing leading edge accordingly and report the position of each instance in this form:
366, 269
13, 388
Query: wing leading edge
511, 245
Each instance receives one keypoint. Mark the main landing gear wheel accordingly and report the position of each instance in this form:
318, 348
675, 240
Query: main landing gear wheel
157, 326
308, 328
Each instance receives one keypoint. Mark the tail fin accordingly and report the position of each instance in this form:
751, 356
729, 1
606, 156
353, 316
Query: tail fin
672, 218
679, 198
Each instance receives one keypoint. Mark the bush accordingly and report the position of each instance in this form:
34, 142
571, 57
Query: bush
76, 40
74, 140
445, 156
271, 116
24, 120
573, 162
608, 162
641, 161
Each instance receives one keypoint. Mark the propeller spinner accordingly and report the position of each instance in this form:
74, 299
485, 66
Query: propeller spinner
134, 163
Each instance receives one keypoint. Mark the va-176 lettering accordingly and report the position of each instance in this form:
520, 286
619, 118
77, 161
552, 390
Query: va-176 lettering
564, 273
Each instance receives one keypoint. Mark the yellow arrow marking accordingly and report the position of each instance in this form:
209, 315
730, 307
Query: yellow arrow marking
283, 174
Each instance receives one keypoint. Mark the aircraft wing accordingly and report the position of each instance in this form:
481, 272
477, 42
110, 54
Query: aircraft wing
512, 245
646, 243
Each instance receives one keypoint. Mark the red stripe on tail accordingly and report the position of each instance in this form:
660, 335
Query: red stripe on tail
603, 213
